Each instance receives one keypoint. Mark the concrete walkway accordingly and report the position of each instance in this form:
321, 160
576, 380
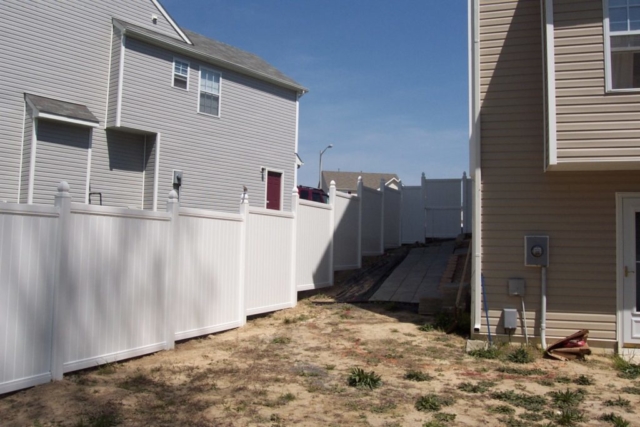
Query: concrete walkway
418, 276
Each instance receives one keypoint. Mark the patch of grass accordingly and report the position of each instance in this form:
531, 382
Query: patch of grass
487, 353
532, 416
329, 367
107, 369
584, 380
619, 402
521, 371
433, 403
286, 398
281, 340
514, 422
419, 376
295, 319
615, 420
444, 417
546, 382
631, 390
434, 423
520, 355
529, 402
567, 398
569, 417
137, 383
626, 370
107, 416
384, 406
427, 327
501, 409
480, 387
393, 355
563, 380
358, 377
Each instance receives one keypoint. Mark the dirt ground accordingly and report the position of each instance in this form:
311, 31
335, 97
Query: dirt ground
292, 368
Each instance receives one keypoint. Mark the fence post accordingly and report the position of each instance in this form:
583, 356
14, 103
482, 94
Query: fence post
294, 244
332, 225
171, 275
423, 185
242, 285
382, 186
400, 213
464, 202
61, 282
360, 193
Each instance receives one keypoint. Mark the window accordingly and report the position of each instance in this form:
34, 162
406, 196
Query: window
209, 92
180, 74
622, 23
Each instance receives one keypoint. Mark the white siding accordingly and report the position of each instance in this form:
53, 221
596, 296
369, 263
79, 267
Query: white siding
269, 284
346, 253
313, 248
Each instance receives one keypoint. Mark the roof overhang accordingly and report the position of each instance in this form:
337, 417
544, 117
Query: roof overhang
61, 111
154, 38
299, 161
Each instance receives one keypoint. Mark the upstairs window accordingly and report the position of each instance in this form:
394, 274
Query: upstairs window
209, 92
180, 74
622, 24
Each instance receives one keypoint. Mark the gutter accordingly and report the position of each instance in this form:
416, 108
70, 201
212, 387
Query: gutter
474, 164
176, 46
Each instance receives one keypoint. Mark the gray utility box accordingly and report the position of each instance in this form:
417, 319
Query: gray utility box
536, 251
510, 316
516, 287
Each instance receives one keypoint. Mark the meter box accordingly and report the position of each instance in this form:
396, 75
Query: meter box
536, 251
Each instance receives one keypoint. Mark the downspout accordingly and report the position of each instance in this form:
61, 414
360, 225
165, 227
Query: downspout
474, 160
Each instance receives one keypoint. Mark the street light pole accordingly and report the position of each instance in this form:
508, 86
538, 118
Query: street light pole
320, 169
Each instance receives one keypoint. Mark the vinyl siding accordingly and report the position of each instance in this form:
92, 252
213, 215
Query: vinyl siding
590, 122
61, 155
218, 155
58, 50
114, 75
149, 172
26, 155
576, 209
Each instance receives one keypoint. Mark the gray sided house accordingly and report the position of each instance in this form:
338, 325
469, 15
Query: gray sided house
555, 151
117, 99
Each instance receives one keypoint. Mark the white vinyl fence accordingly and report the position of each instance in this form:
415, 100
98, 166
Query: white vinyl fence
82, 285
413, 214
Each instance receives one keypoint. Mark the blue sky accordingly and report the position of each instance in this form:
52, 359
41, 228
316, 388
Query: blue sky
387, 79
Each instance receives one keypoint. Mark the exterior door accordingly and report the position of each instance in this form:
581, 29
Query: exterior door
274, 190
630, 276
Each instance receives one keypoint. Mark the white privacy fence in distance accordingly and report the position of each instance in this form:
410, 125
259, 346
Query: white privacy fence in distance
392, 218
347, 230
413, 214
372, 238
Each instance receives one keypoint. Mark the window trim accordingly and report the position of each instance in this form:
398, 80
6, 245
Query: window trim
607, 51
173, 72
265, 171
219, 94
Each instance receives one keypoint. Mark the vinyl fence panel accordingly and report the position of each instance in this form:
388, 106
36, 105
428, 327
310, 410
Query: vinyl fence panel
206, 297
27, 269
313, 247
113, 304
392, 218
269, 257
443, 208
372, 222
346, 239
413, 214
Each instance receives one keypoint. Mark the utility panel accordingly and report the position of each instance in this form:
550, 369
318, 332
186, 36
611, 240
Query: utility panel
516, 287
536, 251
510, 317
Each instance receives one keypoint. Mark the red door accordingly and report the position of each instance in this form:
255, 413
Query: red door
274, 193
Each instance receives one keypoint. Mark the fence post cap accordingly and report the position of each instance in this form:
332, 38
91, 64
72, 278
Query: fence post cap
359, 179
294, 190
63, 187
173, 195
332, 184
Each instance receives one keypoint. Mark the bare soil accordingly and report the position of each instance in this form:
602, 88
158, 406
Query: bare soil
291, 368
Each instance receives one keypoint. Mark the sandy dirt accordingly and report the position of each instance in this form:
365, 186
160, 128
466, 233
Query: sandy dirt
291, 368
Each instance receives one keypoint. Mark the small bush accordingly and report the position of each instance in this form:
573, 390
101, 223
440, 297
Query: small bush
488, 353
619, 402
626, 370
567, 398
433, 403
520, 355
569, 417
362, 379
419, 376
615, 420
584, 380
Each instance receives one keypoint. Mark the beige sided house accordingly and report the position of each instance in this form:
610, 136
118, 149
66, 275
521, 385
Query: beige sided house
555, 151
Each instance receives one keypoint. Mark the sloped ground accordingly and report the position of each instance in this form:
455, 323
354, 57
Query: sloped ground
291, 368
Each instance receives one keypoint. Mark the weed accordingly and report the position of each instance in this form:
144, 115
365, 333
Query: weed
532, 416
138, 383
281, 340
106, 416
584, 380
521, 371
514, 422
393, 355
384, 406
419, 376
427, 327
501, 409
614, 419
433, 423
433, 403
626, 370
631, 390
444, 417
619, 402
107, 369
563, 380
286, 398
546, 382
531, 403
569, 417
488, 353
567, 398
520, 355
480, 387
290, 320
362, 379
329, 367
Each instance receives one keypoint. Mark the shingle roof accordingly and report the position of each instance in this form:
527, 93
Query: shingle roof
218, 53
348, 181
61, 108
